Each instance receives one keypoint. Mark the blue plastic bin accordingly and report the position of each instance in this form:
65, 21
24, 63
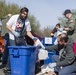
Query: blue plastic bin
50, 53
53, 40
22, 60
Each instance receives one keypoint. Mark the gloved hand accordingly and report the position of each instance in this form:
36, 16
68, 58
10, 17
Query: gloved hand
51, 65
60, 29
34, 38
16, 34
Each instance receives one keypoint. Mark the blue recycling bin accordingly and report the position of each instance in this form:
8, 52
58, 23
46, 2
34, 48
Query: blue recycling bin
50, 53
22, 60
48, 44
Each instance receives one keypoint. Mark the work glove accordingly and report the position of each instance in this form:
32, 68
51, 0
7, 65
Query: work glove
51, 65
35, 38
16, 34
60, 29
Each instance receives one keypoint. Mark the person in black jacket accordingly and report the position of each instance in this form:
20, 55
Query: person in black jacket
64, 63
54, 31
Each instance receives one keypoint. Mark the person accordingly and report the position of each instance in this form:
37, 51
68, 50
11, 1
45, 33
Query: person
0, 26
5, 37
4, 20
19, 25
64, 63
70, 26
55, 29
0, 51
6, 49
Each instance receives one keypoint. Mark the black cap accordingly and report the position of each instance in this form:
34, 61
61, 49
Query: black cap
67, 11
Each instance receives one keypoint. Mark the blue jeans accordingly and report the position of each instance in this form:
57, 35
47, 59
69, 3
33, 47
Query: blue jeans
67, 70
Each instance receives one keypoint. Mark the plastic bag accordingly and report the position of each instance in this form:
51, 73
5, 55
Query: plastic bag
38, 43
45, 68
43, 54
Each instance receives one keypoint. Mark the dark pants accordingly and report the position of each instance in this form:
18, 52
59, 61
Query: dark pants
6, 50
67, 70
5, 54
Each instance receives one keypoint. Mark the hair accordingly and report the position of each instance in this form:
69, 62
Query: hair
24, 9
58, 24
64, 37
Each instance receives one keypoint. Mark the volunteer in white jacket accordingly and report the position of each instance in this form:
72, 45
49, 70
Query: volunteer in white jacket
16, 24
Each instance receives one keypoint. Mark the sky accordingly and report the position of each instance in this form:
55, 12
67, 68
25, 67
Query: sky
46, 12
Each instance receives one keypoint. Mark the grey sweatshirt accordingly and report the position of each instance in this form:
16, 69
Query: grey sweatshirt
67, 56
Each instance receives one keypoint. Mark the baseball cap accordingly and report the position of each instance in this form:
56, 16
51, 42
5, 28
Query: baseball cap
67, 11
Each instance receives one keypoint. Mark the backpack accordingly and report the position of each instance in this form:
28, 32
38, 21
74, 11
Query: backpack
74, 48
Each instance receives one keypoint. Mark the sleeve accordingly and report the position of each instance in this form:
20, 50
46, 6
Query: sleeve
69, 57
52, 48
27, 25
54, 30
72, 24
10, 21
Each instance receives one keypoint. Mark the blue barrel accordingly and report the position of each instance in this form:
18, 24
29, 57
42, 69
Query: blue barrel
22, 60
50, 53
50, 44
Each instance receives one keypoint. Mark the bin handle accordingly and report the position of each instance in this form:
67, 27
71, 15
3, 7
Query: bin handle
15, 52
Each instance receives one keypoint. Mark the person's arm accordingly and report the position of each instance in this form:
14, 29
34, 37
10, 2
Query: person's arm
7, 16
54, 30
55, 47
30, 34
28, 28
9, 26
66, 29
71, 25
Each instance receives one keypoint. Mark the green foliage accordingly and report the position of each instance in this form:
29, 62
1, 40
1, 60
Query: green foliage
8, 8
13, 8
3, 8
47, 31
34, 25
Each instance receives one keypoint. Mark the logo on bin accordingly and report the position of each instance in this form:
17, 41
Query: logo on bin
48, 40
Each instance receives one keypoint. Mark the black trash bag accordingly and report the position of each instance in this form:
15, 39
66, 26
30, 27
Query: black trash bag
20, 41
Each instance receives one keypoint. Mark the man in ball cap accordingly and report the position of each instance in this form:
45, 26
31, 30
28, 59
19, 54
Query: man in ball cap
70, 26
66, 12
